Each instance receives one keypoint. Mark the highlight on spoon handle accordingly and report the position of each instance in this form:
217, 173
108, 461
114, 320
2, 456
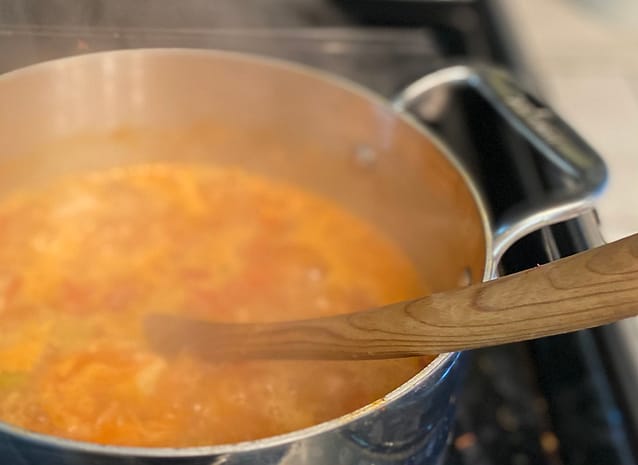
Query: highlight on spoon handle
588, 289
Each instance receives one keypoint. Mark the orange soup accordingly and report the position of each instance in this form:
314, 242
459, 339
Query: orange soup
83, 260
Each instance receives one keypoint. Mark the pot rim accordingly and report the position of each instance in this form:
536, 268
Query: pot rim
250, 446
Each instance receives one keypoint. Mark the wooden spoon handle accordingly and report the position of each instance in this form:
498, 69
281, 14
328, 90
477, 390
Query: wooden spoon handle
586, 290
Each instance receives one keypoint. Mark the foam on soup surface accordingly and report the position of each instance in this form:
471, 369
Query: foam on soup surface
83, 260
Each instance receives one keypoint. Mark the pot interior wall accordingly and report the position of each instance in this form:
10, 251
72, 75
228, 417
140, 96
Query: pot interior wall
112, 109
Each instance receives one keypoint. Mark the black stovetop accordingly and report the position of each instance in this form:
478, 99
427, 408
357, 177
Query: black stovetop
547, 402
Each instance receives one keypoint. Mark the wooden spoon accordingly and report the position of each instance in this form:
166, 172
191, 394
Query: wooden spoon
589, 289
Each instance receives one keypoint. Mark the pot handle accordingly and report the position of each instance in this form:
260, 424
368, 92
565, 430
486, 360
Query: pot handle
552, 138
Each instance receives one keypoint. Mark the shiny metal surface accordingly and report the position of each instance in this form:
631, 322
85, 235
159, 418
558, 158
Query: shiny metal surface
280, 120
284, 121
544, 130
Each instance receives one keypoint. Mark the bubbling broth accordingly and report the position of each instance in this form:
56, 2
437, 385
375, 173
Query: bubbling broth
83, 260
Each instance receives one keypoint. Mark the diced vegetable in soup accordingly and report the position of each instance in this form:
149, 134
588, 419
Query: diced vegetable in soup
83, 260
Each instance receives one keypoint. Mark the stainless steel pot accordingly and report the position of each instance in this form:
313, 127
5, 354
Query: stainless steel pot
314, 130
